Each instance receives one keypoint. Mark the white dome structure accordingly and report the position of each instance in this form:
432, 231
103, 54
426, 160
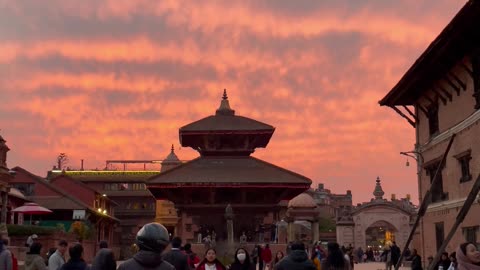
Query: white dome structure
303, 200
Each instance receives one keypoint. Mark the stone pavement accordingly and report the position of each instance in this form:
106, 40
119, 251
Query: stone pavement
360, 266
374, 266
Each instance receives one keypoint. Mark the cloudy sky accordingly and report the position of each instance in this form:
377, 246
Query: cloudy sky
116, 79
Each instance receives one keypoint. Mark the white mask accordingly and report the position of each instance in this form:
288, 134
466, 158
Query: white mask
241, 256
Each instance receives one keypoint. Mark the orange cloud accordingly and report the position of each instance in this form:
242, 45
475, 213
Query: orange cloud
117, 79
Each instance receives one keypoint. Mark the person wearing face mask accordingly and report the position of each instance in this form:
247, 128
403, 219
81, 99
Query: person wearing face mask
468, 257
210, 262
242, 261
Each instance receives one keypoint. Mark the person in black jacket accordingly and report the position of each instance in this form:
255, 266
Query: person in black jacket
296, 260
335, 260
105, 260
416, 260
395, 253
152, 239
175, 256
76, 261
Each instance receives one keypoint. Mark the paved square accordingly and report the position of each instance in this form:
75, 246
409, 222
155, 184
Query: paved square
373, 266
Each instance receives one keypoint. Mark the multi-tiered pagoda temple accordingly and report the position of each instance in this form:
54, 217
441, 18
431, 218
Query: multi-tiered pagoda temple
226, 173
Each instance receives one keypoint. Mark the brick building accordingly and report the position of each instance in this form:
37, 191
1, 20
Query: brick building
443, 88
330, 204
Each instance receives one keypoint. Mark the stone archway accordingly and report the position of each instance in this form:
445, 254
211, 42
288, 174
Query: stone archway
384, 216
379, 233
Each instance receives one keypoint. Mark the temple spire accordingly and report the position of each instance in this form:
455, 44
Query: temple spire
378, 192
224, 108
171, 161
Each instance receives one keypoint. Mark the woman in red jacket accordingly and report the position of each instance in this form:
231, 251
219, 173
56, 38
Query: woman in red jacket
210, 262
267, 256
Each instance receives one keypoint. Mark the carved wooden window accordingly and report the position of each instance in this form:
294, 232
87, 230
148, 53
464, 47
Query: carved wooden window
437, 190
439, 234
433, 123
470, 234
464, 160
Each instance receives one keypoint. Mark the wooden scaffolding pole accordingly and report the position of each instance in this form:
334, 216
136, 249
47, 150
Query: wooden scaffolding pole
425, 202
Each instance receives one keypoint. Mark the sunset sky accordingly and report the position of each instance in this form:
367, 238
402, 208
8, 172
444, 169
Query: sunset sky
116, 79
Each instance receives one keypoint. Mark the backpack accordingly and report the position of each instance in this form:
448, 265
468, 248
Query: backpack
191, 260
14, 262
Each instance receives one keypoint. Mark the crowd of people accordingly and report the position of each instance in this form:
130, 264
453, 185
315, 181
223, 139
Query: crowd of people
466, 257
153, 239
56, 258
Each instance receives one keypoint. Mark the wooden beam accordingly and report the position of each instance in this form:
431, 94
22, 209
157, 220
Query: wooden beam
432, 102
425, 111
444, 100
455, 77
411, 113
466, 68
403, 115
444, 91
452, 85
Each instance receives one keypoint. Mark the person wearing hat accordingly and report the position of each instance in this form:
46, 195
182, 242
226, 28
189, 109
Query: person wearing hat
31, 239
58, 258
152, 239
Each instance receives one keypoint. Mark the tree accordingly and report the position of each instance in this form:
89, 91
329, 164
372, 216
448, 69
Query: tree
82, 230
62, 160
326, 225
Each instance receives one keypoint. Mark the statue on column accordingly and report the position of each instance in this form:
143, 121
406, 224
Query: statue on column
243, 238
229, 217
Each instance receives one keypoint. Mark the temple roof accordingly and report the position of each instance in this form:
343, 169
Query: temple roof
459, 38
228, 170
219, 123
225, 120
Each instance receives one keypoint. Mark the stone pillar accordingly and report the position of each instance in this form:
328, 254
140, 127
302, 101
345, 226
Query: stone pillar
3, 224
315, 231
282, 232
229, 218
291, 231
3, 218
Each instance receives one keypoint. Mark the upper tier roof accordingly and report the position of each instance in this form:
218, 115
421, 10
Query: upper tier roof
225, 134
228, 170
226, 120
215, 123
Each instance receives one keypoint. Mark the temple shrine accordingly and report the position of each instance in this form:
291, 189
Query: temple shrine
225, 184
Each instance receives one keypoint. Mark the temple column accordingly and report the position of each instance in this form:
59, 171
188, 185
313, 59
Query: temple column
290, 231
3, 218
315, 231
244, 196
